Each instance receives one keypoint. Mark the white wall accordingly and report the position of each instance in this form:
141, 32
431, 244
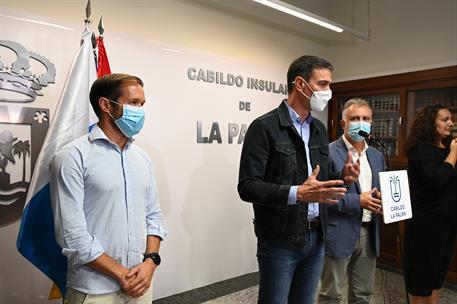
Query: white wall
405, 36
210, 230
206, 220
196, 24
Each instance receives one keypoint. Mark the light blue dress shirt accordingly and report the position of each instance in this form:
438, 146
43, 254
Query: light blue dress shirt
302, 127
104, 200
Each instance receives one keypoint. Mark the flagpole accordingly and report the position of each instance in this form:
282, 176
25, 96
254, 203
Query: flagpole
36, 239
101, 27
103, 66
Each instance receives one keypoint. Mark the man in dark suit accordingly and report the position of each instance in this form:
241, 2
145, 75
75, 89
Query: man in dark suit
352, 242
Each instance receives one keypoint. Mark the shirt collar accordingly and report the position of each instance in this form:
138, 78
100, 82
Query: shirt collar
97, 133
295, 117
350, 147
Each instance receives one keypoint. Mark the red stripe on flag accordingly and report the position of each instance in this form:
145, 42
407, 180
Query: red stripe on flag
103, 63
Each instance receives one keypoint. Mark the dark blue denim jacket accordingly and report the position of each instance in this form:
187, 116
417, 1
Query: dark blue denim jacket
272, 160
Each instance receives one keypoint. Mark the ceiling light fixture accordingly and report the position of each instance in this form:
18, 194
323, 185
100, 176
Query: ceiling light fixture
316, 19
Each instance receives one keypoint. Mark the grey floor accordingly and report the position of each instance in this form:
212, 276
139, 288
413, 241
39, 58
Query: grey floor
389, 290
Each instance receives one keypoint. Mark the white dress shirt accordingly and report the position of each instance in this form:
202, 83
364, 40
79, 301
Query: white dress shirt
365, 172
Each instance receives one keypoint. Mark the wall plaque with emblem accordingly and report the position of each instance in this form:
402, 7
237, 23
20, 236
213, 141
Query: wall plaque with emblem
22, 129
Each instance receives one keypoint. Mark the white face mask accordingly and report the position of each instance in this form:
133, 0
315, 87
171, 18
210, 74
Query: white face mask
319, 99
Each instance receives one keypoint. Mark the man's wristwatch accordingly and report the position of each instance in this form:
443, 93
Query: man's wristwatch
154, 256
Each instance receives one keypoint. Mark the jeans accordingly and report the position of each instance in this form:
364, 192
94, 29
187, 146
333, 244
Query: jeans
288, 275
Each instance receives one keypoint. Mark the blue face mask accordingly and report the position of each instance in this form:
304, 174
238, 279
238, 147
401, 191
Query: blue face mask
132, 119
355, 127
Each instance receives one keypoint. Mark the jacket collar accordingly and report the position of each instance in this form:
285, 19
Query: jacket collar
284, 116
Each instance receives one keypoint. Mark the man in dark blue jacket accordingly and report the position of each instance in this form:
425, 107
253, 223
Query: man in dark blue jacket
285, 172
352, 242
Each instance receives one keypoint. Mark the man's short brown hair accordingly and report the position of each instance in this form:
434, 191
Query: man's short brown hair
110, 86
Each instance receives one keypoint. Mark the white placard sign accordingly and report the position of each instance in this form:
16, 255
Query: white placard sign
396, 202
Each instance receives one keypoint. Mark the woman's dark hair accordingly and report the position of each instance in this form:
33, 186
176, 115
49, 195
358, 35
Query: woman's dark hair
423, 129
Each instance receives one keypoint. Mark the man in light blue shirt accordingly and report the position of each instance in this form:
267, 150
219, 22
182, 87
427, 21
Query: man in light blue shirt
104, 197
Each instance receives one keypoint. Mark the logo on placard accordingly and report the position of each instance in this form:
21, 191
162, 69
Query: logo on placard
395, 189
22, 129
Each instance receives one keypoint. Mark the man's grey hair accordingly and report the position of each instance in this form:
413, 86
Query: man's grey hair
359, 102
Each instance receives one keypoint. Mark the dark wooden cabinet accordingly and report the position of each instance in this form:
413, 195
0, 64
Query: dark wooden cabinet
395, 100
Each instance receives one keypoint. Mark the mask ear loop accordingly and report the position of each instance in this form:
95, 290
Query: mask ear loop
307, 84
109, 112
301, 91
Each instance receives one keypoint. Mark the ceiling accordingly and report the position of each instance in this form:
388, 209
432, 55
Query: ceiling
350, 13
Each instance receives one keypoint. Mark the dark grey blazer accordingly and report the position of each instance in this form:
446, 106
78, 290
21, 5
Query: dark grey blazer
345, 219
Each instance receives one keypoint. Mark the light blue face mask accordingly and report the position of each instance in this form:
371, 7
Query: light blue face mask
132, 119
355, 127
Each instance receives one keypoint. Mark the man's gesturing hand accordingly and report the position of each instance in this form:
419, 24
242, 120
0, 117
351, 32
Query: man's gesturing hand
351, 171
313, 190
